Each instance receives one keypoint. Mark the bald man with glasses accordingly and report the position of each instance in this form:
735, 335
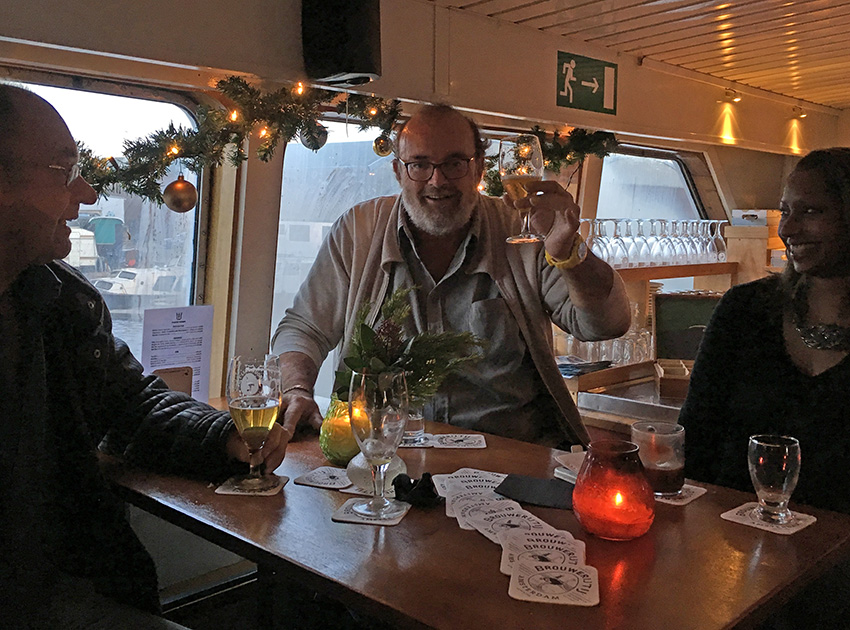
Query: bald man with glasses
68, 388
442, 236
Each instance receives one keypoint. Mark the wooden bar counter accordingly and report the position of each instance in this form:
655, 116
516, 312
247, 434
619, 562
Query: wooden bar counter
693, 570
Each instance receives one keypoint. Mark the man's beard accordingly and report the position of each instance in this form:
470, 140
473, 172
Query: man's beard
434, 221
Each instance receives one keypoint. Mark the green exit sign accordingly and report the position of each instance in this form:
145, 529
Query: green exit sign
586, 83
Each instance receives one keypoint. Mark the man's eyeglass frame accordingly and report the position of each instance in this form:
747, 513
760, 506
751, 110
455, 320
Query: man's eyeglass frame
434, 166
71, 172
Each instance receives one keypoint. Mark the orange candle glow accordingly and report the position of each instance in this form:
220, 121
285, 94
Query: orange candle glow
612, 498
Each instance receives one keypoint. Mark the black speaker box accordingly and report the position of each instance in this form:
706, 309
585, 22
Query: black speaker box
341, 41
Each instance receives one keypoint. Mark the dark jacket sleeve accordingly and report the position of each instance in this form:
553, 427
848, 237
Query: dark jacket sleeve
159, 428
129, 414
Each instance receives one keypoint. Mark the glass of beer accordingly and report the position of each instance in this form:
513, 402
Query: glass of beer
521, 162
774, 464
662, 453
253, 396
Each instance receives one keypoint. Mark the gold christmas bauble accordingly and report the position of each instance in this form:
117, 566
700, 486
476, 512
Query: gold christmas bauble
383, 146
180, 195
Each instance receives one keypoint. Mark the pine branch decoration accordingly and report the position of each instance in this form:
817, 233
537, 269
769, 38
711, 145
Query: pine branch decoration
427, 358
275, 117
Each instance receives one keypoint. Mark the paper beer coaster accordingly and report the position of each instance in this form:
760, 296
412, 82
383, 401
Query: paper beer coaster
490, 525
229, 487
345, 514
555, 584
427, 442
746, 515
458, 440
468, 511
688, 494
555, 547
325, 477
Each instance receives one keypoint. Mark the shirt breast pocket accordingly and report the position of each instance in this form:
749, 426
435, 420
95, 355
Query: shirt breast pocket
492, 321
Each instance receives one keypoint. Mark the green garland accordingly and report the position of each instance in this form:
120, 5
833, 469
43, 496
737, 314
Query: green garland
276, 116
558, 151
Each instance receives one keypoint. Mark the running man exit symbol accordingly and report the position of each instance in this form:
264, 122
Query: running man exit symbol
586, 83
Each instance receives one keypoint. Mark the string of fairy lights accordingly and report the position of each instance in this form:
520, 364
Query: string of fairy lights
271, 118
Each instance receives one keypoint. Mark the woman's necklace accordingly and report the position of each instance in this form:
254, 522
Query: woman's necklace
819, 336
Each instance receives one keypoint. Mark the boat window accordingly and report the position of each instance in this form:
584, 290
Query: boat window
317, 188
122, 234
645, 187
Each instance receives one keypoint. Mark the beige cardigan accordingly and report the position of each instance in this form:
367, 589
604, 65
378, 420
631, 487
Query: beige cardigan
353, 267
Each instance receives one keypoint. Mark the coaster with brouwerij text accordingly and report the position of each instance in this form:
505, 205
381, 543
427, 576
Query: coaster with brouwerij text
346, 514
468, 511
490, 525
476, 494
746, 515
458, 440
555, 584
466, 479
325, 477
229, 487
688, 494
556, 547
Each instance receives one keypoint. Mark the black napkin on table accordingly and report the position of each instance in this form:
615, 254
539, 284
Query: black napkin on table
417, 492
554, 493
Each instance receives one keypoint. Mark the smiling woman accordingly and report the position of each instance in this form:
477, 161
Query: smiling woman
774, 359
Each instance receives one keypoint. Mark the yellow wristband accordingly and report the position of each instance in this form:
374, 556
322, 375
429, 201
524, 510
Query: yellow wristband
577, 255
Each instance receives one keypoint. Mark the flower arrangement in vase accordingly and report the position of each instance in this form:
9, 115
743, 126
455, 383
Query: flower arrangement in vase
426, 359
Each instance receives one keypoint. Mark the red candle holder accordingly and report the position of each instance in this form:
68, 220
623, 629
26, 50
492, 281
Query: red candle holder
612, 498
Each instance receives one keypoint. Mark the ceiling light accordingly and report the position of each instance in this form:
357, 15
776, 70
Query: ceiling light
798, 112
730, 96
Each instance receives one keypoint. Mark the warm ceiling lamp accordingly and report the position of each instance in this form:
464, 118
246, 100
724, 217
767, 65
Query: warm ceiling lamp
730, 96
798, 112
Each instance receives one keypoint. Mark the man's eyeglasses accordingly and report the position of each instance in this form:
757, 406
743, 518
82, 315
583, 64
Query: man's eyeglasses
71, 173
455, 168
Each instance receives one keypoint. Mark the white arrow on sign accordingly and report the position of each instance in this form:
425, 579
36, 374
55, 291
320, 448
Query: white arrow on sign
594, 85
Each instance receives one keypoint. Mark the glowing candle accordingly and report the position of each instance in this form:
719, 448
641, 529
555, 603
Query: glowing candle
335, 437
612, 498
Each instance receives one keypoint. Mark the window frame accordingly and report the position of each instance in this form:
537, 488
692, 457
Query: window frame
188, 101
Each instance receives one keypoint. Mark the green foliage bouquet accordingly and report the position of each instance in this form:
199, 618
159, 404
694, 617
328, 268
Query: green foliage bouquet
427, 358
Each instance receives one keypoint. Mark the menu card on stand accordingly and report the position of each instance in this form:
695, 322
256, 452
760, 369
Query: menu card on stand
180, 337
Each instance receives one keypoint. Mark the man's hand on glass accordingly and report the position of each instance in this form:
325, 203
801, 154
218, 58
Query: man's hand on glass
554, 213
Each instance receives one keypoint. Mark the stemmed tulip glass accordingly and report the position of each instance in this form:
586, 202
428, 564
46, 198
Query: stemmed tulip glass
774, 463
521, 162
618, 247
378, 407
719, 242
253, 396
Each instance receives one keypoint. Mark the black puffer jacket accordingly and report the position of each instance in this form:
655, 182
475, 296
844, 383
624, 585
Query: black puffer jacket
69, 387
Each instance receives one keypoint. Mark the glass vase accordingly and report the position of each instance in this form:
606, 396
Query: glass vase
612, 498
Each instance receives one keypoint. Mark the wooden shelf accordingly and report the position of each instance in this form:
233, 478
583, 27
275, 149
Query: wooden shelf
677, 271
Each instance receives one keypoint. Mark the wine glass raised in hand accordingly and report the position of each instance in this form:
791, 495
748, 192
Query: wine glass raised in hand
378, 406
253, 396
774, 463
521, 162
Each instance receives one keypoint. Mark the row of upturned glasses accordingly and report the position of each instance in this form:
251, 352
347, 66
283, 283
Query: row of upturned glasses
636, 346
627, 243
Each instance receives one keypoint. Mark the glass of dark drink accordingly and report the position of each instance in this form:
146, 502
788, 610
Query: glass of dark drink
662, 453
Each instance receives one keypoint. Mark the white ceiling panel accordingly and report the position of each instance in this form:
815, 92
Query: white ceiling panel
794, 48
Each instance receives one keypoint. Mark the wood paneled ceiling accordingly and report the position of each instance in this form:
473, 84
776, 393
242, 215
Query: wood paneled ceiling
798, 48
